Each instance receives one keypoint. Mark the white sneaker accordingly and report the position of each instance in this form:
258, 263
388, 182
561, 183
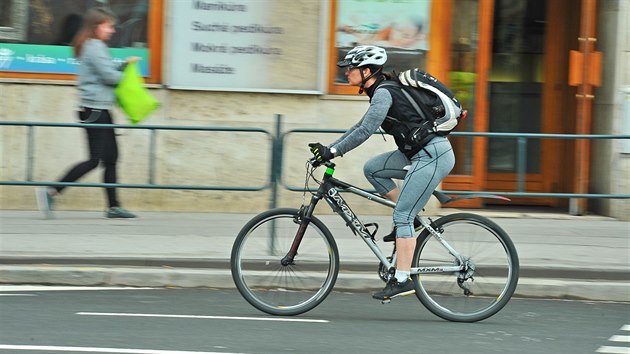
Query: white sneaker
45, 202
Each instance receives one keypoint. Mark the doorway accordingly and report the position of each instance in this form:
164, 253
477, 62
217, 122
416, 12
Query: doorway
517, 80
515, 86
529, 93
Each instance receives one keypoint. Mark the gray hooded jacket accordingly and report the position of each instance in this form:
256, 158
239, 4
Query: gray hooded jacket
98, 75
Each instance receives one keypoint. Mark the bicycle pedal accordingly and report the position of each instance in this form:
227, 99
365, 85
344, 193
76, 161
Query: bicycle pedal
386, 301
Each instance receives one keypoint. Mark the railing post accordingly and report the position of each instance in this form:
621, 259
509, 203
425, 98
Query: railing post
30, 153
276, 162
276, 170
521, 163
152, 154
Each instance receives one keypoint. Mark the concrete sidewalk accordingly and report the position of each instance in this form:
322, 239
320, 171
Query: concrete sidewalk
561, 256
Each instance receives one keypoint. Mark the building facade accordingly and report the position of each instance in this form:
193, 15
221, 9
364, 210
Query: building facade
535, 66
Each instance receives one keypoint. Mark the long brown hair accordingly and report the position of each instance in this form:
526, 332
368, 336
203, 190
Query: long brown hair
92, 19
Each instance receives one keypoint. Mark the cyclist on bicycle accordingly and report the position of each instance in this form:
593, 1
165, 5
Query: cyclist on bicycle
421, 168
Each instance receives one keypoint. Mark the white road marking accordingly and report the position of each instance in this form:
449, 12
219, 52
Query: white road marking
4, 288
617, 338
613, 350
100, 350
278, 319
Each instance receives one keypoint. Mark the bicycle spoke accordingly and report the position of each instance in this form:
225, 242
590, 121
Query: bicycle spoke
284, 289
488, 276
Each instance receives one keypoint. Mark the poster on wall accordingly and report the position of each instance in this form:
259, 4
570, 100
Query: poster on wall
246, 45
36, 36
399, 26
57, 59
395, 24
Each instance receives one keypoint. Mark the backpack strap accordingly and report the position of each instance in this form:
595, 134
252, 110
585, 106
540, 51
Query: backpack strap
414, 104
421, 113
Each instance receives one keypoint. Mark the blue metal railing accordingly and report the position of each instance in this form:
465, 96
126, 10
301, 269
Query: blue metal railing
277, 152
30, 158
521, 161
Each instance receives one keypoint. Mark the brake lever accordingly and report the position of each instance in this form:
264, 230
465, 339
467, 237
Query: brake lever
313, 161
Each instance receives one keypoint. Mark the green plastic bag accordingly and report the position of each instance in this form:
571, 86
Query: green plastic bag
133, 98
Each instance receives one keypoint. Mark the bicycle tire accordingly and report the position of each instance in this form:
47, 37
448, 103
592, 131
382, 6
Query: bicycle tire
487, 248
284, 290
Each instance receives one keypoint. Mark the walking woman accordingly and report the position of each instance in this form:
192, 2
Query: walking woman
98, 76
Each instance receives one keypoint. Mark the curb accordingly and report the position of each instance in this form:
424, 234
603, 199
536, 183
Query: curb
166, 276
345, 266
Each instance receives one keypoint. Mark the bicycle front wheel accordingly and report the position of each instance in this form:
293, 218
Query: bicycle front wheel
277, 288
489, 268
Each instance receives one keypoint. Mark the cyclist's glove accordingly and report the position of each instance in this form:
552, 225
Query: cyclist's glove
322, 153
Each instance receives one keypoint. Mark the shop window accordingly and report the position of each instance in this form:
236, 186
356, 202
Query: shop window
463, 77
35, 35
401, 27
516, 81
13, 20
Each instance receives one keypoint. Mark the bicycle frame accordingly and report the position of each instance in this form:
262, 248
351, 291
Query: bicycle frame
330, 189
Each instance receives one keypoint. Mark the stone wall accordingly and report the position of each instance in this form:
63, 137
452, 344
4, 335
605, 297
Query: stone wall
610, 158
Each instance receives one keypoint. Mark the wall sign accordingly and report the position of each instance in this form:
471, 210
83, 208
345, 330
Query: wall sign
57, 59
246, 45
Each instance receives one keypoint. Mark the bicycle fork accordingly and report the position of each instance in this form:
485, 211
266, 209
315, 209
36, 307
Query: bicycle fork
303, 218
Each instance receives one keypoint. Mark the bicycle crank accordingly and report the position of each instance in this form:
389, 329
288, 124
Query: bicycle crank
383, 272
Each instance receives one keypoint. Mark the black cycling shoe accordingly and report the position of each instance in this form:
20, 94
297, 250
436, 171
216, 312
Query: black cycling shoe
394, 289
392, 235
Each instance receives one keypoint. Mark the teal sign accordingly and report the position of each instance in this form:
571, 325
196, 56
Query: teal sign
57, 59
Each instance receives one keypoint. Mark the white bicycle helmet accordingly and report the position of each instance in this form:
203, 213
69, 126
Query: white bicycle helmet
364, 55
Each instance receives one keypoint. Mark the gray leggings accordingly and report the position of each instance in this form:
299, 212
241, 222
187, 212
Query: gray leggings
424, 175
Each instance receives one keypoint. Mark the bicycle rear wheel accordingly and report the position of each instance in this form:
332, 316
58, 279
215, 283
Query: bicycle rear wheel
280, 289
489, 277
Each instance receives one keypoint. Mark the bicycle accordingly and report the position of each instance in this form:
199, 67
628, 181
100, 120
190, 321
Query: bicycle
285, 261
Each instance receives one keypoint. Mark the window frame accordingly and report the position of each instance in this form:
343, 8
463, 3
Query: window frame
333, 88
155, 30
438, 67
17, 30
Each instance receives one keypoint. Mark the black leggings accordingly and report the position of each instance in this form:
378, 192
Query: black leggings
103, 148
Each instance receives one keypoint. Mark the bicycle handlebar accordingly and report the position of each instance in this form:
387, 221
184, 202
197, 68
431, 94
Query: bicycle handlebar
313, 161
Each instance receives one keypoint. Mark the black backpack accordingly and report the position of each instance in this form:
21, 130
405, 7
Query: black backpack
435, 110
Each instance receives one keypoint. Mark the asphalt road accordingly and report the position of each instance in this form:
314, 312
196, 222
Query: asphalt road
183, 321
